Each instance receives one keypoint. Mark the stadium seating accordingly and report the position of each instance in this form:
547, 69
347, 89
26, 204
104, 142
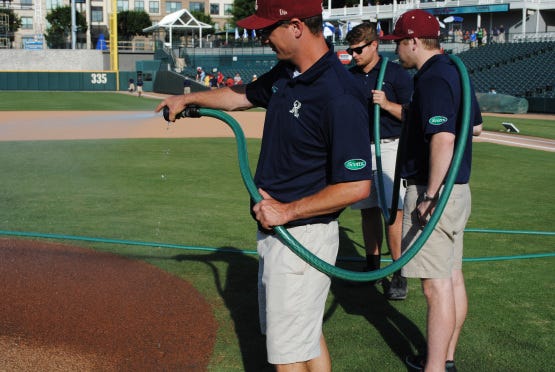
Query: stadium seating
522, 69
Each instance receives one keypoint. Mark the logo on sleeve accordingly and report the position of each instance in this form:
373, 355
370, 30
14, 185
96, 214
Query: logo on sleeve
437, 120
355, 164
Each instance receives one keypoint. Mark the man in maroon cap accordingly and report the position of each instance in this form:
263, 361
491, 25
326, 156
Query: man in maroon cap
433, 124
314, 161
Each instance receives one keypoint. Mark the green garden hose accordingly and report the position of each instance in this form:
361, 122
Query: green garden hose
301, 251
378, 154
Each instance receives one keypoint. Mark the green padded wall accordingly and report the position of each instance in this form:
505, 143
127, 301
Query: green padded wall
37, 80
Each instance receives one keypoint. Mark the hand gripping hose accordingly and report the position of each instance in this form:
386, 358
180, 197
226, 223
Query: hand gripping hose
297, 247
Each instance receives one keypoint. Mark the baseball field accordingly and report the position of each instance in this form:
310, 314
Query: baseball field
126, 244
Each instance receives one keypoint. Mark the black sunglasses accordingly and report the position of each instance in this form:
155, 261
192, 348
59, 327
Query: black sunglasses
359, 49
264, 33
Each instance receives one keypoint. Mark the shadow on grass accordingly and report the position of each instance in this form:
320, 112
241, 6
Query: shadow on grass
238, 289
363, 299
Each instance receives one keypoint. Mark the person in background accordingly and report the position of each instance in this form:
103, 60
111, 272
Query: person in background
395, 91
131, 87
229, 82
434, 124
140, 87
186, 86
314, 162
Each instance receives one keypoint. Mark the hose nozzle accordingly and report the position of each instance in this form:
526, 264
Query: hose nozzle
191, 111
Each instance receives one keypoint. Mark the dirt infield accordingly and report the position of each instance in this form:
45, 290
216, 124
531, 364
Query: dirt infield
66, 308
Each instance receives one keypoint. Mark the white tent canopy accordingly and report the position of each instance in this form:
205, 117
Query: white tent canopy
181, 20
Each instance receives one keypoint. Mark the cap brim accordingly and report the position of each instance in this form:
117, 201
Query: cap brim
392, 37
255, 22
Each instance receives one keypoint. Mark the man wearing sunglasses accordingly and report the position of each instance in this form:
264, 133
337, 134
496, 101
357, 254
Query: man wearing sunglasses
394, 92
314, 162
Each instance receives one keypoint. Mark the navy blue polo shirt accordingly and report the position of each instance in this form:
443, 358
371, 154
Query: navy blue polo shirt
397, 86
315, 131
435, 108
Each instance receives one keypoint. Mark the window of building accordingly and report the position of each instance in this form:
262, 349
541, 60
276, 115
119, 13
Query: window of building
139, 5
196, 6
173, 6
227, 9
214, 9
97, 15
26, 3
27, 23
53, 4
123, 5
154, 7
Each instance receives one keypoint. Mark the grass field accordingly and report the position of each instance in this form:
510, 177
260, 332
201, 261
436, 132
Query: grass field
188, 192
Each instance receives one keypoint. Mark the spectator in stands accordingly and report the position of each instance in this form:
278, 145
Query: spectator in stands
492, 90
495, 35
201, 75
473, 39
206, 81
237, 79
186, 86
220, 81
229, 82
458, 35
213, 81
484, 36
501, 36
254, 77
479, 34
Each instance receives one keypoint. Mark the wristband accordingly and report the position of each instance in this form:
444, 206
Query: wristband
427, 197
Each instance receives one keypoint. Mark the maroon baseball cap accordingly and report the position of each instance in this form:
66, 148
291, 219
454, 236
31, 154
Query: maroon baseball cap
415, 23
268, 12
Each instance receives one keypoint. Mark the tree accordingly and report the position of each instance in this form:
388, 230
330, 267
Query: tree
200, 16
59, 32
131, 23
242, 9
14, 22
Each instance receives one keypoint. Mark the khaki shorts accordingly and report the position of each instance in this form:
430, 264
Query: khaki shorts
443, 251
389, 158
292, 294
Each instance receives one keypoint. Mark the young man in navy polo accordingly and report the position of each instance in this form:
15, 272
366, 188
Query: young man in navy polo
395, 91
314, 162
434, 123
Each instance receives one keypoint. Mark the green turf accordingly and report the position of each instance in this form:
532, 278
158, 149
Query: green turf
189, 192
527, 127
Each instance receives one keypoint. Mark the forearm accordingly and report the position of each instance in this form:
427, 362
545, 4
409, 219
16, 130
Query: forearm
228, 99
394, 109
269, 212
441, 153
330, 199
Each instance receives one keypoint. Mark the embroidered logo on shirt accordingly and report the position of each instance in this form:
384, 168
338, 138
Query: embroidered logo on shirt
355, 164
437, 120
295, 109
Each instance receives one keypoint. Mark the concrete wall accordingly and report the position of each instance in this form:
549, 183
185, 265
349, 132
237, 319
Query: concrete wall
66, 60
51, 60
